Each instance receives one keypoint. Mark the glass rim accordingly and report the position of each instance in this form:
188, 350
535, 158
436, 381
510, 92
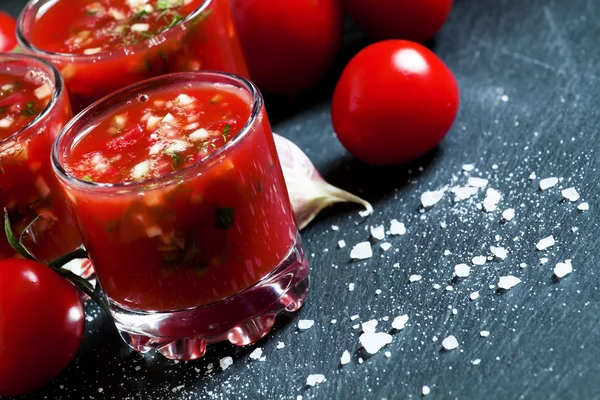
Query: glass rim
120, 97
105, 55
51, 72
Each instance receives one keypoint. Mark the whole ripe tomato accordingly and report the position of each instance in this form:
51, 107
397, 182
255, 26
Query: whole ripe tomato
8, 27
41, 325
416, 20
394, 102
289, 45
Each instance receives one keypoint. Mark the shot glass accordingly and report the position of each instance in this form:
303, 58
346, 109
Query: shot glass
103, 46
34, 107
178, 192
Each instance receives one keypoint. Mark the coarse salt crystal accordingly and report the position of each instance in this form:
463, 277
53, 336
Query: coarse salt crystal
574, 229
370, 326
468, 167
374, 341
543, 260
431, 198
396, 228
335, 228
454, 311
583, 207
474, 296
361, 251
414, 278
449, 288
385, 246
504, 98
425, 391
388, 354
399, 323
570, 194
378, 232
499, 252
315, 379
523, 265
351, 287
447, 252
484, 333
508, 282
225, 362
305, 324
450, 343
563, 269
345, 357
463, 193
479, 260
492, 198
548, 183
342, 243
462, 270
280, 345
545, 243
508, 214
532, 176
256, 354
477, 182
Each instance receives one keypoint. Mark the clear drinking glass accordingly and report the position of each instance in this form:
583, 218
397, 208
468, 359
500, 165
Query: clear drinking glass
30, 191
205, 39
207, 253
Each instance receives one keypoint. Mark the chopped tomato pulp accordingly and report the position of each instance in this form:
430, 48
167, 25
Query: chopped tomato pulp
211, 228
168, 43
29, 189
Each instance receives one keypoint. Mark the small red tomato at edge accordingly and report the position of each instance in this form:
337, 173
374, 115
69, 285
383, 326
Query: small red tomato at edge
394, 102
416, 20
41, 325
8, 28
289, 45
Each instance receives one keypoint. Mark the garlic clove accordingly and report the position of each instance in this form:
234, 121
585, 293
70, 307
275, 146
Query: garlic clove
309, 192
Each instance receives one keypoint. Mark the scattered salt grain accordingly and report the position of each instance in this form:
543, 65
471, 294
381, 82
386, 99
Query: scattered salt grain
449, 288
574, 229
342, 244
492, 198
474, 296
504, 98
436, 286
378, 292
226, 362
414, 278
479, 260
333, 321
361, 251
570, 194
450, 343
468, 167
388, 354
354, 317
399, 323
463, 193
532, 176
431, 198
378, 232
543, 260
454, 311
462, 270
447, 252
345, 357
315, 379
256, 354
583, 207
477, 361
374, 341
280, 345
425, 391
335, 228
508, 214
508, 282
548, 183
396, 228
523, 265
305, 324
563, 269
545, 243
499, 252
351, 287
484, 333
477, 182
385, 246
370, 326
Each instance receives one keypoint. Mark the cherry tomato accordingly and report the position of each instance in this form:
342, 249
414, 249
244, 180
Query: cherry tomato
41, 325
416, 20
394, 101
8, 28
289, 45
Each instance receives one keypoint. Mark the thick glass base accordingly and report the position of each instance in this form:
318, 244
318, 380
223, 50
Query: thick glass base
242, 319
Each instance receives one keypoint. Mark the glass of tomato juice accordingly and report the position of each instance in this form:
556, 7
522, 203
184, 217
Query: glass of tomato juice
178, 191
101, 46
34, 107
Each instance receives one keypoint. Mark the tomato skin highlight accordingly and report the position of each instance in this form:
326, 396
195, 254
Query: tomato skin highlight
41, 325
394, 102
8, 28
289, 45
416, 20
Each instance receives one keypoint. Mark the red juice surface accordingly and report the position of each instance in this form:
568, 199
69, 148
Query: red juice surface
205, 235
91, 35
30, 191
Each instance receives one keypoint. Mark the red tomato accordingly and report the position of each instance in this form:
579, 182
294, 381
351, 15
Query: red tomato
41, 325
289, 45
394, 102
8, 27
416, 20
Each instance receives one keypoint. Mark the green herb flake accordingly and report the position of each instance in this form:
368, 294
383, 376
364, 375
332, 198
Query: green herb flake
224, 218
87, 178
141, 14
166, 4
177, 160
29, 110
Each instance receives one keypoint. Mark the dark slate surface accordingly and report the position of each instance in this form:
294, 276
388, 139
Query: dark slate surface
543, 344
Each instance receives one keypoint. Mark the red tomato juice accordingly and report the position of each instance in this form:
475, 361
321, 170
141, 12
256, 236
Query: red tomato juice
101, 46
31, 116
177, 210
